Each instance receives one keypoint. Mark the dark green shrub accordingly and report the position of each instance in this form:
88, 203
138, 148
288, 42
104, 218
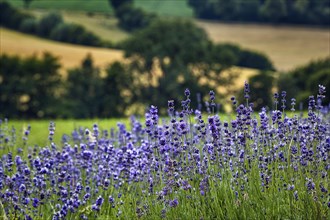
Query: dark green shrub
286, 82
303, 81
224, 54
131, 18
320, 77
10, 17
35, 79
61, 33
88, 39
73, 33
115, 4
29, 26
231, 54
254, 60
314, 12
48, 23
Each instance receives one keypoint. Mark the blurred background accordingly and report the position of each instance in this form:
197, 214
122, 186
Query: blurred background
113, 58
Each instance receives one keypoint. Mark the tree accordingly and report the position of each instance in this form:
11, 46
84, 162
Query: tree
286, 82
131, 18
73, 33
173, 55
29, 86
84, 90
216, 9
29, 26
274, 10
248, 10
261, 89
11, 17
116, 4
27, 3
303, 81
320, 77
256, 60
48, 22
118, 90
225, 9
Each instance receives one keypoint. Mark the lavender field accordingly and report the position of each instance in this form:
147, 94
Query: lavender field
193, 164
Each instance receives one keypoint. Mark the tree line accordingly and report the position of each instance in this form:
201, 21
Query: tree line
162, 60
32, 87
299, 83
51, 26
304, 80
313, 12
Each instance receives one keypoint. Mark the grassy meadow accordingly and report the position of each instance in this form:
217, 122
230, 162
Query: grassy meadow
162, 7
178, 8
39, 128
71, 5
190, 169
265, 164
104, 26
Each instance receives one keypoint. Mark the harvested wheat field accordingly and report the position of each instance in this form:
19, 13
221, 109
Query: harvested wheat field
287, 46
15, 43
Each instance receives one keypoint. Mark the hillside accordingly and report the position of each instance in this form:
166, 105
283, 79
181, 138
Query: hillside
287, 46
16, 43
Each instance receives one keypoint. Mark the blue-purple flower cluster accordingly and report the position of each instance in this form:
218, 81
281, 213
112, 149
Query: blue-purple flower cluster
185, 158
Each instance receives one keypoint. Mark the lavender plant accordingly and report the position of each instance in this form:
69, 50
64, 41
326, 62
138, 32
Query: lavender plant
190, 166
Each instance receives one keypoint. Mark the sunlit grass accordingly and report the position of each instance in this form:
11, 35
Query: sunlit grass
39, 128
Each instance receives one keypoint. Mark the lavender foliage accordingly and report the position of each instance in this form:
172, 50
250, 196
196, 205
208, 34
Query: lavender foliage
186, 162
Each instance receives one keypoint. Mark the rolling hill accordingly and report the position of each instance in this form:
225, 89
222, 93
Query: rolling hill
15, 43
287, 46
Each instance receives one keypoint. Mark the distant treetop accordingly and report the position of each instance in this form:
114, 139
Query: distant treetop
315, 12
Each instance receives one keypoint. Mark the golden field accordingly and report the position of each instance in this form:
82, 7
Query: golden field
287, 46
15, 43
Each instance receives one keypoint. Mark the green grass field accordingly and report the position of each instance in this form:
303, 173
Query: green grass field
161, 7
70, 5
244, 185
178, 8
39, 128
100, 24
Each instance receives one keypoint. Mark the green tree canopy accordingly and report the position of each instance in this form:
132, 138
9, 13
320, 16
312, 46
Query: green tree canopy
118, 90
115, 4
182, 52
273, 11
303, 81
27, 3
48, 22
261, 89
178, 40
29, 87
84, 88
132, 18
